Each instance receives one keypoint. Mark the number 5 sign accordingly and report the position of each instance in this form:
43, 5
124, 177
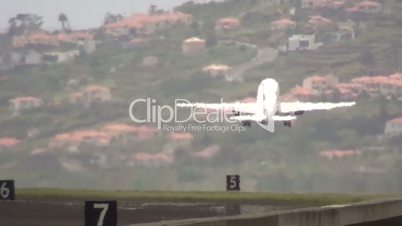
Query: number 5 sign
100, 213
233, 183
7, 190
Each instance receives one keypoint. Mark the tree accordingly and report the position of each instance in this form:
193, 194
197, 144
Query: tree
63, 19
112, 18
24, 23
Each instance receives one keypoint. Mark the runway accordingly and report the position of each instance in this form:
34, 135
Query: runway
58, 207
71, 213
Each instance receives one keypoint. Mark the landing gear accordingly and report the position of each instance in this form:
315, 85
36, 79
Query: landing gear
287, 124
246, 123
236, 113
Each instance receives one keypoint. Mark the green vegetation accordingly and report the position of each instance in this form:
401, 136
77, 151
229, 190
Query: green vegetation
245, 197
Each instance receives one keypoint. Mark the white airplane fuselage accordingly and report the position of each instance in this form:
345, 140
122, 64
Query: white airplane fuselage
267, 98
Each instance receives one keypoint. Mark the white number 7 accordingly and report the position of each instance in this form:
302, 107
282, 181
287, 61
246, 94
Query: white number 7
104, 207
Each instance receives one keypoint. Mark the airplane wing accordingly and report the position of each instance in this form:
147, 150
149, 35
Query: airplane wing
289, 107
248, 108
259, 118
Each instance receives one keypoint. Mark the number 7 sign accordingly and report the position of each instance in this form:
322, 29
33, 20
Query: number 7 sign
100, 213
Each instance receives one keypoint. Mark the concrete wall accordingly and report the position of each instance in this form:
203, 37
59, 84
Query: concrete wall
340, 215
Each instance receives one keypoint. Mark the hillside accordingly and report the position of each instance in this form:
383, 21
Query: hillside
79, 140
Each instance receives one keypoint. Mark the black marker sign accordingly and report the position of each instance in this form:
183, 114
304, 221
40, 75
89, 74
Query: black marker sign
7, 190
233, 183
101, 213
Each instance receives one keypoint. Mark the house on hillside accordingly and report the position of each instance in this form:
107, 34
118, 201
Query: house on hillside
193, 45
341, 35
22, 58
8, 142
318, 22
286, 1
147, 23
24, 103
227, 24
31, 57
313, 4
302, 42
126, 133
136, 42
302, 94
151, 160
150, 61
75, 37
347, 91
217, 70
320, 83
87, 47
91, 95
339, 154
393, 127
60, 57
381, 85
181, 138
365, 7
72, 140
207, 153
35, 39
283, 25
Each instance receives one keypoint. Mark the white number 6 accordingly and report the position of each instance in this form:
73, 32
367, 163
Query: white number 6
4, 191
104, 207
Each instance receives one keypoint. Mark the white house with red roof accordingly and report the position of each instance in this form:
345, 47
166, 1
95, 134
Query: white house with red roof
227, 24
193, 45
393, 127
23, 103
8, 142
147, 23
339, 154
368, 7
283, 24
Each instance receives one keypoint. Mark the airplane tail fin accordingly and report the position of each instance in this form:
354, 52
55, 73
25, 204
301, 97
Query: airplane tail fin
268, 125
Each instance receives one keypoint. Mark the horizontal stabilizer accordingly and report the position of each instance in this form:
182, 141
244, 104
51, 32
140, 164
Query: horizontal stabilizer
241, 118
283, 118
260, 118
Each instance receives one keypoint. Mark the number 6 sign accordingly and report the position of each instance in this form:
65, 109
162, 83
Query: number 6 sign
7, 190
100, 213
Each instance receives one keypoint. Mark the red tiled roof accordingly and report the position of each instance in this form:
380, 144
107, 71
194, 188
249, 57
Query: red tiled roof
208, 152
228, 22
298, 90
9, 142
181, 136
339, 153
395, 121
139, 20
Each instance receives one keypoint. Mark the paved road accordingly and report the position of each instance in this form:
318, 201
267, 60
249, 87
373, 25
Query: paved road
264, 55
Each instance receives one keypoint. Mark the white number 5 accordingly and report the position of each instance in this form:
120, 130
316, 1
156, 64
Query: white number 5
233, 182
4, 191
104, 207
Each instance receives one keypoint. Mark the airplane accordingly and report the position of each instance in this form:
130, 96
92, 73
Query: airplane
267, 108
